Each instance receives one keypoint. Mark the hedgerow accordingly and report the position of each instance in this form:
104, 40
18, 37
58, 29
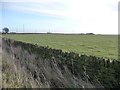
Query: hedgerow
106, 71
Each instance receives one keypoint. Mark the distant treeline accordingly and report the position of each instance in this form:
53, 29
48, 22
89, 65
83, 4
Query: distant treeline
106, 71
53, 33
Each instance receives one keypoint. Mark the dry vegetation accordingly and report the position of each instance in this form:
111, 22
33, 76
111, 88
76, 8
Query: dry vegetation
13, 77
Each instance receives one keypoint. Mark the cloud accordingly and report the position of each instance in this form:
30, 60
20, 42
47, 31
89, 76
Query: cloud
74, 9
27, 0
94, 14
53, 8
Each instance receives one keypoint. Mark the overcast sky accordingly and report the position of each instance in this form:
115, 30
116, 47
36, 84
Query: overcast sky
60, 16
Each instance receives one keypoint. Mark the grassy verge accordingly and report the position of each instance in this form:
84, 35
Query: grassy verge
0, 72
12, 78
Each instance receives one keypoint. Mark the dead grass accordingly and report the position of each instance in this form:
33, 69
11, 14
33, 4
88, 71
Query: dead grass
10, 78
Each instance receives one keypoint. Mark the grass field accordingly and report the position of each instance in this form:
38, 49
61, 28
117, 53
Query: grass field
98, 45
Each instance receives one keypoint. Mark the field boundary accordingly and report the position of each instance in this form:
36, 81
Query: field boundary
93, 69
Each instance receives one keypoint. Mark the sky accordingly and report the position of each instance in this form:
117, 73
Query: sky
60, 16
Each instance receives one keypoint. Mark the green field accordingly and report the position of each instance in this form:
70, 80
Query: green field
98, 45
